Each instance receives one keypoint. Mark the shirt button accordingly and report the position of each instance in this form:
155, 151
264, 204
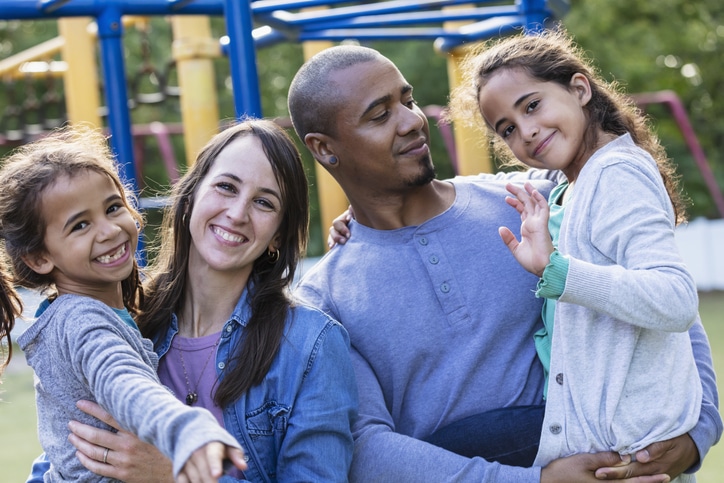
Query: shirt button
221, 365
559, 378
433, 259
423, 241
555, 428
445, 287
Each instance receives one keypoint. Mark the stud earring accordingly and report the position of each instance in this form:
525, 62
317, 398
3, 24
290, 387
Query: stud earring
333, 160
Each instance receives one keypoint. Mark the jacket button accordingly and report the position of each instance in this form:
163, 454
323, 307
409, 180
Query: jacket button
559, 378
555, 428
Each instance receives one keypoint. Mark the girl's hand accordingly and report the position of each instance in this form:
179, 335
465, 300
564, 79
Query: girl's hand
339, 231
534, 249
128, 458
206, 463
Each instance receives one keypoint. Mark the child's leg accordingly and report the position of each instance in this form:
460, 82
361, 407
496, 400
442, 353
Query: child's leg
509, 436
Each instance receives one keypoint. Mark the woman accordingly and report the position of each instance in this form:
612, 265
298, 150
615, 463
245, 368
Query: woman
282, 381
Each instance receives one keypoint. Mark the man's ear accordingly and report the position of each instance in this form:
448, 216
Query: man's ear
319, 145
38, 263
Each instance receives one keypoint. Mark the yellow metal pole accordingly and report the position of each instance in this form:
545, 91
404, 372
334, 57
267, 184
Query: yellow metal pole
193, 51
332, 200
80, 79
473, 156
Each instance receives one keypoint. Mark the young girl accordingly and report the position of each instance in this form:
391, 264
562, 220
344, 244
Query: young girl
610, 271
69, 230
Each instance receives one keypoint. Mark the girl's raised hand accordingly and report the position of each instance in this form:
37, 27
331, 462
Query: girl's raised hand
534, 249
339, 231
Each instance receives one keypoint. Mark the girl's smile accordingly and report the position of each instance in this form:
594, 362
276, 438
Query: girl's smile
90, 237
543, 123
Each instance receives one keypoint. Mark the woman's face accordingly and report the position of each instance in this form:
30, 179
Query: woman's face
237, 210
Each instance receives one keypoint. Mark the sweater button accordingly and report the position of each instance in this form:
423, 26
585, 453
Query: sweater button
423, 241
559, 378
433, 259
555, 428
445, 287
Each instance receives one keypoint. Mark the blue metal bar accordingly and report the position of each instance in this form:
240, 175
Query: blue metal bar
407, 18
242, 58
110, 33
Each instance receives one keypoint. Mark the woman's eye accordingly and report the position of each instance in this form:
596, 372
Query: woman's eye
507, 131
265, 204
226, 187
532, 105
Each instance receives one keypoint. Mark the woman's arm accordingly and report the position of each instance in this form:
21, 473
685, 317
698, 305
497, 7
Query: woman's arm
129, 459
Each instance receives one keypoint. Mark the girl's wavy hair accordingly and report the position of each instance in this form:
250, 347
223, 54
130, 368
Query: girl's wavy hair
25, 175
270, 278
553, 56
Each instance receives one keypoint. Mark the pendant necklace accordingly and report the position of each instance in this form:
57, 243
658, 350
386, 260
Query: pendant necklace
192, 395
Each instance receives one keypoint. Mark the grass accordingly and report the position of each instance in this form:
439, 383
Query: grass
17, 408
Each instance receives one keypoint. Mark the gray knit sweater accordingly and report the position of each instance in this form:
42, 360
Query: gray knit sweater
622, 370
80, 349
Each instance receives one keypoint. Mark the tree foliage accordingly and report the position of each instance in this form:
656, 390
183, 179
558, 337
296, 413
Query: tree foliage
646, 46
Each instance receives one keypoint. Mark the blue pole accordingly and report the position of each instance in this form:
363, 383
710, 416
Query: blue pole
242, 58
110, 34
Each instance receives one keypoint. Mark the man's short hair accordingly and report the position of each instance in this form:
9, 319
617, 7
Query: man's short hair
313, 98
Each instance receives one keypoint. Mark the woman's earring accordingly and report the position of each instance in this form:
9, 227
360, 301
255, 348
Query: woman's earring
272, 256
333, 160
183, 219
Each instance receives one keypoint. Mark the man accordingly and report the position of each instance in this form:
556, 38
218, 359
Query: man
440, 316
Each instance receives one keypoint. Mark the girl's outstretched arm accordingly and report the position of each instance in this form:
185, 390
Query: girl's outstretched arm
534, 249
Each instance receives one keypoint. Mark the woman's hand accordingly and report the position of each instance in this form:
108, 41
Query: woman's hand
534, 249
339, 231
120, 455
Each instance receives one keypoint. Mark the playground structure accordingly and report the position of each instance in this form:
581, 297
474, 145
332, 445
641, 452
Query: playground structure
316, 23
451, 25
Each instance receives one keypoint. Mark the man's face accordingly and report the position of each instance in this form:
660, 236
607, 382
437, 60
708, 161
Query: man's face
382, 136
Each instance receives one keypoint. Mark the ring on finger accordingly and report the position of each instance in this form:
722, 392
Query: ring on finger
105, 456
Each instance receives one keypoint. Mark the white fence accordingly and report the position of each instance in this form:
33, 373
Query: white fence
701, 244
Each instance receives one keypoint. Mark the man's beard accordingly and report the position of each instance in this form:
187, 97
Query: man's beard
426, 176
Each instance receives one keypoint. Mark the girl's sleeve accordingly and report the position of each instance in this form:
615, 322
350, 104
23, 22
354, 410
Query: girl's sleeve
127, 386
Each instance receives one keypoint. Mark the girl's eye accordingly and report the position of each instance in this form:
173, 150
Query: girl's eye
113, 208
79, 226
507, 132
532, 106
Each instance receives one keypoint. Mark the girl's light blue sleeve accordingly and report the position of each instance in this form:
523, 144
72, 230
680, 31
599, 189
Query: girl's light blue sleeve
41, 465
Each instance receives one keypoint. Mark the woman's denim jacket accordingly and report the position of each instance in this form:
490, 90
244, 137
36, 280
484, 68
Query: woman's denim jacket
295, 425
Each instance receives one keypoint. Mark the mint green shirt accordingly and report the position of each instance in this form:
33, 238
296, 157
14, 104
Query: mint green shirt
552, 282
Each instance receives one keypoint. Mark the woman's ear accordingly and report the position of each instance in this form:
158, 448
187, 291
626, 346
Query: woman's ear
581, 86
319, 145
38, 263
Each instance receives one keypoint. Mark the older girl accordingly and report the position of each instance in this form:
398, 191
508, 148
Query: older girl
603, 245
